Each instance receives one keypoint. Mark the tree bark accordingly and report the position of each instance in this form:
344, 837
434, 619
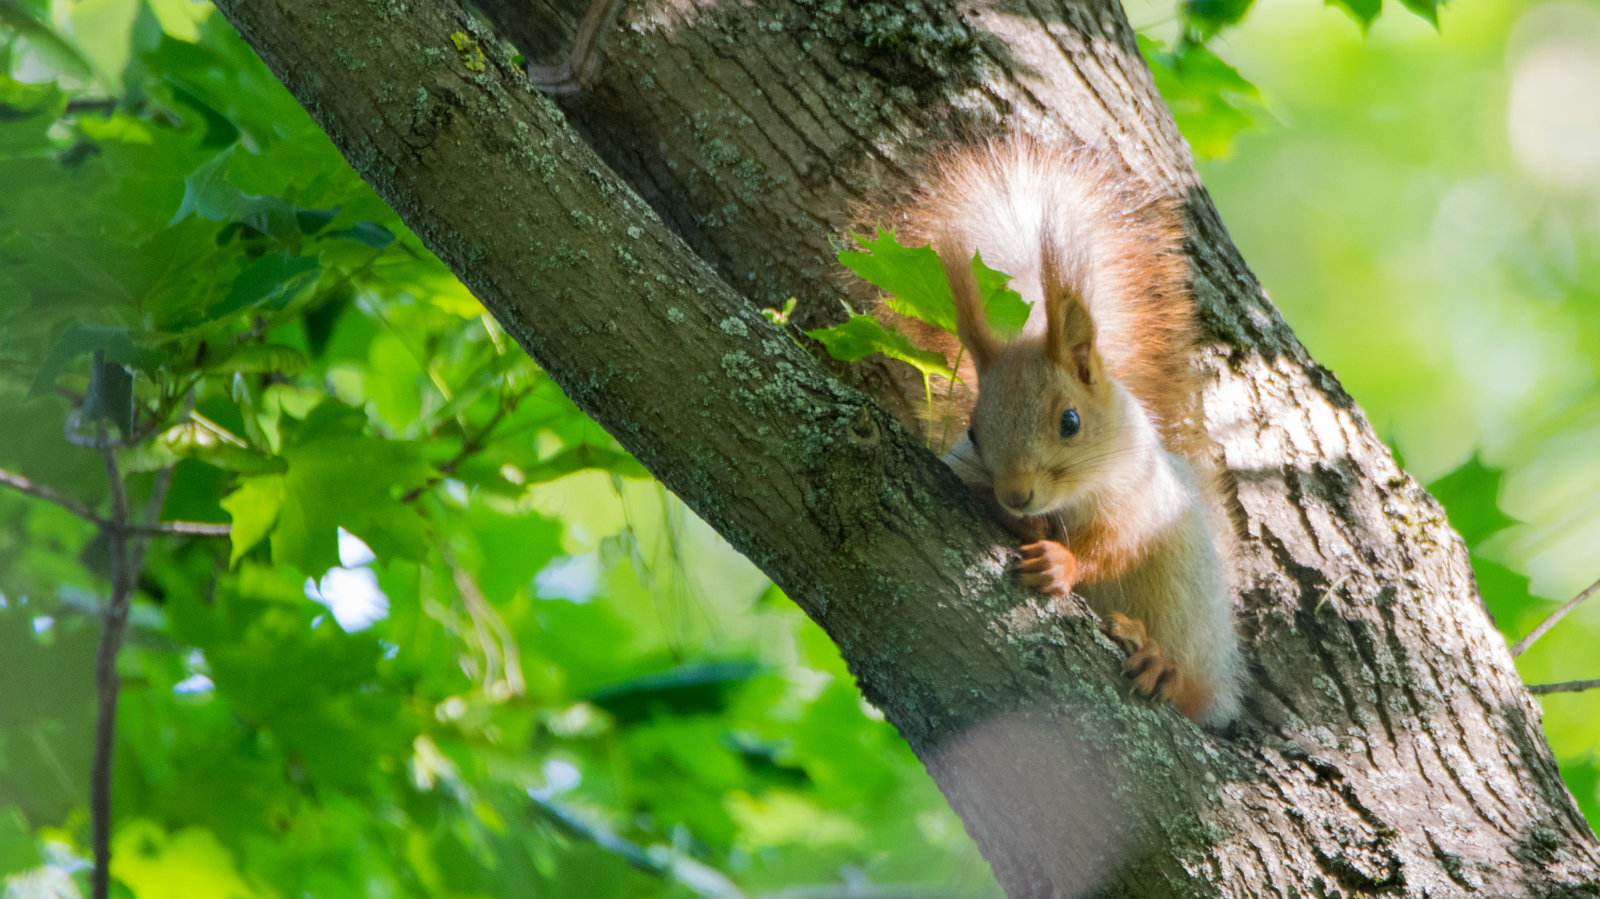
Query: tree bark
1388, 745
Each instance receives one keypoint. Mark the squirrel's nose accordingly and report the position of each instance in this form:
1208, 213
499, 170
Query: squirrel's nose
1016, 499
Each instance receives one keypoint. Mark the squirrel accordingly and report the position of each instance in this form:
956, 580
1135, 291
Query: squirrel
1080, 426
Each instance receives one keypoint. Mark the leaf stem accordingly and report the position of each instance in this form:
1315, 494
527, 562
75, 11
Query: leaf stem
949, 394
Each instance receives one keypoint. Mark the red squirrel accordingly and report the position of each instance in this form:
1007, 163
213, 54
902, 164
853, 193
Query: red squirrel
1078, 431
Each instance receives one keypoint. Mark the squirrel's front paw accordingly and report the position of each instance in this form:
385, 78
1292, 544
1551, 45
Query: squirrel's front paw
1153, 674
1048, 566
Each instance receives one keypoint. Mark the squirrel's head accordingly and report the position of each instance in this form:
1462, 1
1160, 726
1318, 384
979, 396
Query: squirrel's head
1046, 423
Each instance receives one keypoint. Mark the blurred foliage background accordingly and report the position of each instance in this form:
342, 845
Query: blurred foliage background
459, 644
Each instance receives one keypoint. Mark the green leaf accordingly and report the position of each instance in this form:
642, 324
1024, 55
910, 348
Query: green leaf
1427, 9
208, 193
581, 457
254, 508
276, 277
51, 46
19, 851
220, 132
1506, 593
371, 234
195, 493
912, 276
80, 339
1209, 99
686, 690
915, 279
514, 547
313, 220
337, 477
27, 113
1210, 16
863, 335
1363, 11
1003, 307
258, 358
1471, 496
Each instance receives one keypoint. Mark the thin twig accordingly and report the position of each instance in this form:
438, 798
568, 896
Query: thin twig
48, 494
469, 445
699, 878
182, 529
103, 105
163, 529
127, 558
107, 683
1571, 686
1545, 625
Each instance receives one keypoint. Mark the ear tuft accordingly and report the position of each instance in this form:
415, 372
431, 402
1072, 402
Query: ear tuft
1069, 328
971, 325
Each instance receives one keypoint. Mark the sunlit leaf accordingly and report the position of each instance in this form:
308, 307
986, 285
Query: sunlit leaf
1209, 99
46, 41
19, 851
340, 477
257, 358
582, 457
1427, 9
912, 276
1363, 11
254, 508
188, 864
27, 113
1003, 307
863, 335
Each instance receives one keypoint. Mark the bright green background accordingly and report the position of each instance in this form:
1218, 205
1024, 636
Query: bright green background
577, 690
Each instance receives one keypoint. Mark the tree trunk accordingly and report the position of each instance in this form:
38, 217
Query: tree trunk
1388, 746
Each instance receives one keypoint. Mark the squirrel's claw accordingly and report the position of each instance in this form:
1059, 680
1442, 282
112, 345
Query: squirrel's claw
1153, 674
1048, 566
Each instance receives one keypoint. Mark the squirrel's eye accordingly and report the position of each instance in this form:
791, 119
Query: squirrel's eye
1069, 423
972, 436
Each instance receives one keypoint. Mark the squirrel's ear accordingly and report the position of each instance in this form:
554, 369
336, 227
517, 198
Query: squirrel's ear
1069, 328
971, 326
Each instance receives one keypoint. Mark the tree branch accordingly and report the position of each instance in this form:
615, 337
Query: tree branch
50, 495
1381, 703
1571, 686
1545, 625
127, 560
159, 529
182, 529
113, 623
